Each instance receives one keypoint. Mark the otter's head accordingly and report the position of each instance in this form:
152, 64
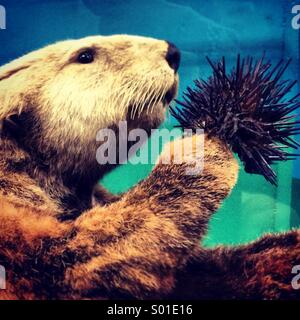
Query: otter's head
61, 95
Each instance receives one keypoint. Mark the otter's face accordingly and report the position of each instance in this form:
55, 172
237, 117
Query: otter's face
75, 88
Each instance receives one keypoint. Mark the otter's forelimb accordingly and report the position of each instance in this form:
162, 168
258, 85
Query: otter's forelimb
130, 248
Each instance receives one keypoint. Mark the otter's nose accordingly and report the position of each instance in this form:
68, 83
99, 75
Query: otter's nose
173, 56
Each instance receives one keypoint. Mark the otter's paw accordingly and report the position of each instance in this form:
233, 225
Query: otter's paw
202, 155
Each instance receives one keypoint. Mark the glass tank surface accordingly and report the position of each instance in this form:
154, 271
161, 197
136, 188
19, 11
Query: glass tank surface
199, 28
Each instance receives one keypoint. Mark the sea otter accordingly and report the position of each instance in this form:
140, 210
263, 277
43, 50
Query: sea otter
62, 236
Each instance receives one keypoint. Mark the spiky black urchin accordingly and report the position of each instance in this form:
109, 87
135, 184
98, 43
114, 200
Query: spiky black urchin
247, 108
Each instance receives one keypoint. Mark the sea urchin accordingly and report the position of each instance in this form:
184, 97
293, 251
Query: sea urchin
248, 109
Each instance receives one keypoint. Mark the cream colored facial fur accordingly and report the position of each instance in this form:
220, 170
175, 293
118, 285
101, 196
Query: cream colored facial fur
128, 79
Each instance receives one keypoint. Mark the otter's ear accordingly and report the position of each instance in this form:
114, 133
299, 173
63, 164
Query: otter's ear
16, 66
12, 88
6, 72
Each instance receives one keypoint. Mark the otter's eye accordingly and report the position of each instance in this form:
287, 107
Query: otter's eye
86, 57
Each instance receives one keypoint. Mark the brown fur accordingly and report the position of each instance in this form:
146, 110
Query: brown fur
131, 247
63, 238
259, 270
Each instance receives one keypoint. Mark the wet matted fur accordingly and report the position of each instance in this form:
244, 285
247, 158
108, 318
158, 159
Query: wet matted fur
63, 238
